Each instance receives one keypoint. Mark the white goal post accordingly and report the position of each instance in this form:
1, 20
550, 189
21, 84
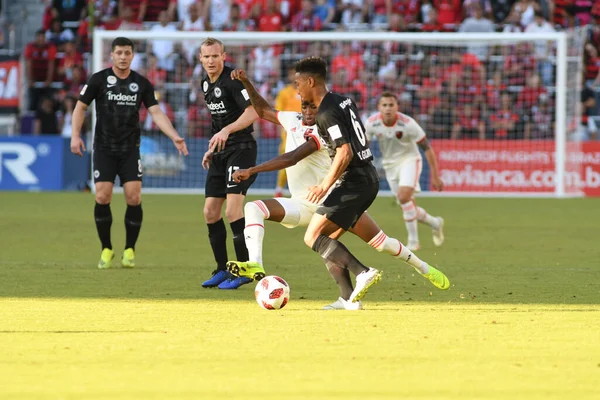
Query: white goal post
525, 166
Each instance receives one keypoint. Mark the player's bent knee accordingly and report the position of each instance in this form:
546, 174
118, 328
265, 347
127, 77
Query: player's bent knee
211, 215
233, 213
103, 196
405, 195
134, 200
103, 199
254, 211
309, 239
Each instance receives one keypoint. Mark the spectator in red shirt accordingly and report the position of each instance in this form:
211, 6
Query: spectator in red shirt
442, 119
246, 7
40, 64
144, 10
270, 20
531, 94
468, 124
504, 122
595, 14
470, 88
153, 9
156, 75
591, 65
540, 125
360, 90
449, 12
198, 119
431, 88
50, 13
563, 12
409, 9
74, 85
396, 24
128, 21
433, 25
382, 10
520, 65
493, 90
71, 58
305, 20
594, 32
136, 8
339, 82
350, 60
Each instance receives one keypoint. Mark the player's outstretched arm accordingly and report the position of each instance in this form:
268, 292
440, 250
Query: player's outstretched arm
280, 162
164, 124
77, 144
436, 182
262, 107
343, 156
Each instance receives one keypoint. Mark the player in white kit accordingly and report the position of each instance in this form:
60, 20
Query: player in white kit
399, 137
307, 162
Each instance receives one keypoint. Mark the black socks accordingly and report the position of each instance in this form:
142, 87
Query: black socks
239, 243
133, 224
217, 235
103, 217
335, 252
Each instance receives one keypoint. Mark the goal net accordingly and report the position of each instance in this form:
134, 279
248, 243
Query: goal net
501, 110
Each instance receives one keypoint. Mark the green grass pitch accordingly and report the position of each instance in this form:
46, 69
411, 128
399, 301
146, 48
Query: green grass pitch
521, 320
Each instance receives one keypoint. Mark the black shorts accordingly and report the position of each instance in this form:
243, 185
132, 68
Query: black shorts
352, 197
107, 165
218, 180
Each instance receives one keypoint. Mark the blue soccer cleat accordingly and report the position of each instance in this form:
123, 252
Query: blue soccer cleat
219, 276
234, 283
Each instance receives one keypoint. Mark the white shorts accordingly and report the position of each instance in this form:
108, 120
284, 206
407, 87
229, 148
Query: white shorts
298, 212
407, 173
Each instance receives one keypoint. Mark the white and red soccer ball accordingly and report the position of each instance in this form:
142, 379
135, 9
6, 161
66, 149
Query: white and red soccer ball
272, 292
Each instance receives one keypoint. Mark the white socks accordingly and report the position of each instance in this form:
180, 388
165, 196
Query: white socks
381, 242
413, 214
409, 212
255, 213
425, 218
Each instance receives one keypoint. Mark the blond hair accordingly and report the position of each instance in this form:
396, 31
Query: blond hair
212, 41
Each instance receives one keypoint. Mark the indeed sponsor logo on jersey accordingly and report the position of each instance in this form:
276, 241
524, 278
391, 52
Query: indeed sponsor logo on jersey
128, 98
218, 108
345, 103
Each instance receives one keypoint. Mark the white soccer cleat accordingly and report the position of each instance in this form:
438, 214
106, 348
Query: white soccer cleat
364, 281
438, 234
413, 246
341, 304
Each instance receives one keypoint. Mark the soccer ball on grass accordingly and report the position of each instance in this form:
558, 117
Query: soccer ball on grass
272, 292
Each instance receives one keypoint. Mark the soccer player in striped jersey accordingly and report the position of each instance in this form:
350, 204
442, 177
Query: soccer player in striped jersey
400, 137
307, 163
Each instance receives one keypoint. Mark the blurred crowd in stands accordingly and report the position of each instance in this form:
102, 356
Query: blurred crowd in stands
478, 91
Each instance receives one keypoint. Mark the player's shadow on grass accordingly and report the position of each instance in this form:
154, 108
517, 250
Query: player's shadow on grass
167, 282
